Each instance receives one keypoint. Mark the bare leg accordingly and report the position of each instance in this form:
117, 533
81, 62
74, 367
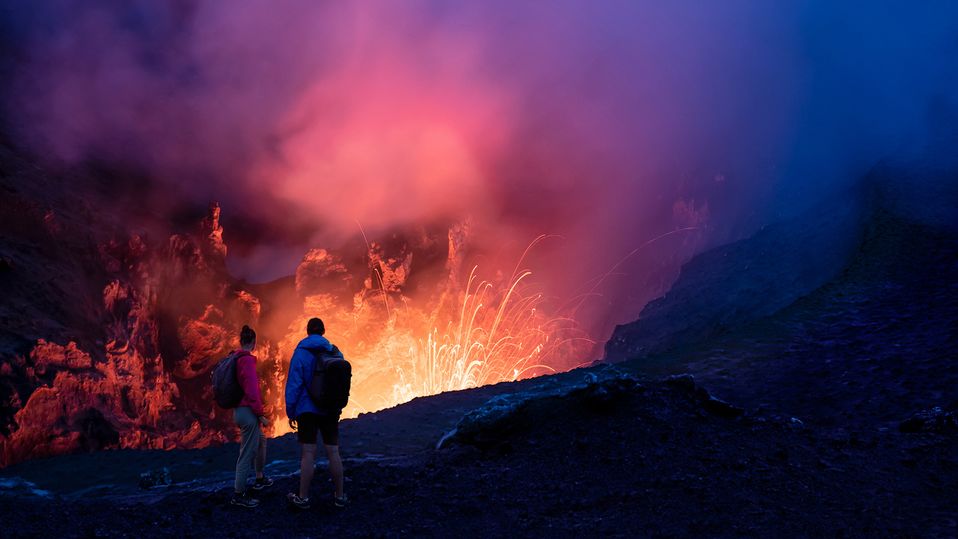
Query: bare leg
335, 468
260, 461
306, 467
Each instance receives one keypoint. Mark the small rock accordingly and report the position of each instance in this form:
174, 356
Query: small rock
682, 381
722, 408
155, 478
934, 420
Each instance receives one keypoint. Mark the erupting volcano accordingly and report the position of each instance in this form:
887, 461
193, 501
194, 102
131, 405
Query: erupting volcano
623, 267
460, 332
170, 310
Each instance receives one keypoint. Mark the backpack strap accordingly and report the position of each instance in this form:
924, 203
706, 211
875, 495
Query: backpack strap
320, 355
316, 353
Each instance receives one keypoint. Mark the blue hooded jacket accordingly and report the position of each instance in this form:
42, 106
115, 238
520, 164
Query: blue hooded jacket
300, 374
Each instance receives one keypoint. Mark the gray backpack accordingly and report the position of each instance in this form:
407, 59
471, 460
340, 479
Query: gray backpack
226, 387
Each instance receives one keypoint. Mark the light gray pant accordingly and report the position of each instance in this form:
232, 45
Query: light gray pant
252, 446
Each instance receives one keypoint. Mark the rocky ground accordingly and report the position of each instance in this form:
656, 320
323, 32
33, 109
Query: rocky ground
620, 456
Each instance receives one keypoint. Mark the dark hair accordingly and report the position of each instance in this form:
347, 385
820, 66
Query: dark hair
247, 336
315, 326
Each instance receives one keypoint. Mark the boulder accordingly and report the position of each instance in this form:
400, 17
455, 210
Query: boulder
495, 420
686, 384
933, 420
155, 478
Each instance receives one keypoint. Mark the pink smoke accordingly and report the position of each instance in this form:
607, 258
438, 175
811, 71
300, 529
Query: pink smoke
603, 123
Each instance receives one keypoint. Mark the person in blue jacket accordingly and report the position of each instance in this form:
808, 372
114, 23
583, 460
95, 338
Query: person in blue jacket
308, 420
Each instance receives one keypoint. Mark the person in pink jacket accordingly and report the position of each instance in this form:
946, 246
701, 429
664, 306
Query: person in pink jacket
249, 417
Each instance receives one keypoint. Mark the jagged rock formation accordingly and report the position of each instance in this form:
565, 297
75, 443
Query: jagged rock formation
321, 272
120, 314
203, 339
107, 333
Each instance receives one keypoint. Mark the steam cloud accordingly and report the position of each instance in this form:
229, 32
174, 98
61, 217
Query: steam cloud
606, 123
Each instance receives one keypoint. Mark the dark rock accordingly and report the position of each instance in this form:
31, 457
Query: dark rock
722, 408
729, 286
492, 423
686, 383
604, 396
934, 420
682, 381
155, 478
95, 431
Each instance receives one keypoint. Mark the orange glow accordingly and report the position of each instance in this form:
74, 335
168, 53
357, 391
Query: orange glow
483, 333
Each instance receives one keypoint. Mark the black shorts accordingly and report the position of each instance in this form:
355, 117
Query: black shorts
309, 424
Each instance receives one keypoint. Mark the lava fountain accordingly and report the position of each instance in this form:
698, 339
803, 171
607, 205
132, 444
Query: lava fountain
461, 336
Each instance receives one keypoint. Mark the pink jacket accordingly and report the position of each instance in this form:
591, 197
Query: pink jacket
246, 375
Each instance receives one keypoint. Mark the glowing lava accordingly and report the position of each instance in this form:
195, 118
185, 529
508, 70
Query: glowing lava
485, 332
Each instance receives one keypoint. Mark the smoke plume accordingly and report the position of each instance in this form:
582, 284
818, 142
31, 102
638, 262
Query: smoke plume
605, 124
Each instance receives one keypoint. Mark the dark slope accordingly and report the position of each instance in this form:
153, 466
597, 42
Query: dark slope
48, 259
48, 255
734, 284
869, 345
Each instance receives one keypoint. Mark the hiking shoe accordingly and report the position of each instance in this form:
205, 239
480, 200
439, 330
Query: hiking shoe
244, 500
297, 502
341, 502
261, 483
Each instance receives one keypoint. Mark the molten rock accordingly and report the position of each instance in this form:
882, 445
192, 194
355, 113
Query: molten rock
165, 308
319, 270
51, 357
211, 229
80, 411
391, 271
203, 340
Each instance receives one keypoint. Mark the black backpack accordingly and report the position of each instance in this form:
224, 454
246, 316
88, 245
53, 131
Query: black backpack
226, 388
329, 386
